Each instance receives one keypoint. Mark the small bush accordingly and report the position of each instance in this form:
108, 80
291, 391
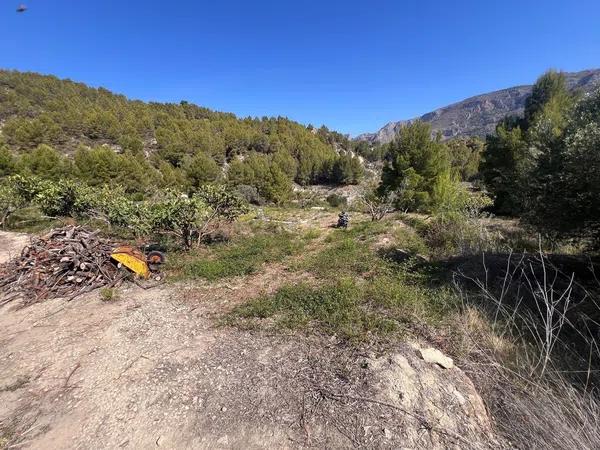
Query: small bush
109, 294
337, 201
409, 240
250, 194
455, 234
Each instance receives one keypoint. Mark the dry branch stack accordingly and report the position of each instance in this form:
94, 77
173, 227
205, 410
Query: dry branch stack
66, 262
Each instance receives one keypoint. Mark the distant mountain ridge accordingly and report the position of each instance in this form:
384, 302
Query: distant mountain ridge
478, 115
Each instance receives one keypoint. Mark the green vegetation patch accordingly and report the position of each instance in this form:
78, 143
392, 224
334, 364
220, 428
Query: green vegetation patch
350, 309
337, 309
403, 299
242, 256
347, 257
347, 252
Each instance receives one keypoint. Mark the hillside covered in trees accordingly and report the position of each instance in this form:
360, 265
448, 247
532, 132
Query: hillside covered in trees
61, 129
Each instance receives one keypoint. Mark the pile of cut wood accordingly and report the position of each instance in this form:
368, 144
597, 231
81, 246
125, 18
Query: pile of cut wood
66, 262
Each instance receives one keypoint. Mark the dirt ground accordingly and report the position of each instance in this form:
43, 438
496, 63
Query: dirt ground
155, 369
11, 245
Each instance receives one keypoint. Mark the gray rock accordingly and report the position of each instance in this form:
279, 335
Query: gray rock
478, 116
434, 356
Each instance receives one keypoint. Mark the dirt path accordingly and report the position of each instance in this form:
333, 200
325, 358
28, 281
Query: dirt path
11, 244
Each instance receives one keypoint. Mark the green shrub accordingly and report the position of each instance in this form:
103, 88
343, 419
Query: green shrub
250, 194
455, 234
409, 302
378, 308
336, 200
10, 201
409, 240
188, 217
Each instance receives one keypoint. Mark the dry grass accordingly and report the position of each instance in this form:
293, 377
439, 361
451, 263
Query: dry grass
521, 340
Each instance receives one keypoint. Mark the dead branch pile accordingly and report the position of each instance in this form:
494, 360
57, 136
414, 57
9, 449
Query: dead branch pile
66, 262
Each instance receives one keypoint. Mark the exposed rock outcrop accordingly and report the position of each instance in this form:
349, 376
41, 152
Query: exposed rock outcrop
478, 116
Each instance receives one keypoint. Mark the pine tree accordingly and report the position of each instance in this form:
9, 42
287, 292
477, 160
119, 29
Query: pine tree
414, 162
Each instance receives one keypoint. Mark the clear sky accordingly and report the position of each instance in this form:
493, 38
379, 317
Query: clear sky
352, 65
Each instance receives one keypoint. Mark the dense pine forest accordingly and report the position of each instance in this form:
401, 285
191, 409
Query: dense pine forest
60, 129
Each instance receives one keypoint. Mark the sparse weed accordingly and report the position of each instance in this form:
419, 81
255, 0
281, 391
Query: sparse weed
312, 233
109, 294
529, 341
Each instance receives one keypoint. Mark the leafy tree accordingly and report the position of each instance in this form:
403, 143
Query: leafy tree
347, 169
549, 93
25, 133
520, 158
286, 162
8, 162
369, 151
45, 162
131, 144
179, 214
10, 201
102, 166
191, 218
506, 166
62, 198
224, 204
415, 161
448, 195
102, 124
278, 188
96, 166
569, 203
201, 169
157, 141
261, 172
465, 156
169, 176
545, 136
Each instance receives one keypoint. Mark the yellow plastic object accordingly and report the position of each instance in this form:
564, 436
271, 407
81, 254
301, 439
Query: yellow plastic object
132, 259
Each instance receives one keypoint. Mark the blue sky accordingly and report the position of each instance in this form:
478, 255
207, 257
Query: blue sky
351, 65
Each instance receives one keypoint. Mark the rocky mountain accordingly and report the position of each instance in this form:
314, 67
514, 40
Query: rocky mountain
478, 116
